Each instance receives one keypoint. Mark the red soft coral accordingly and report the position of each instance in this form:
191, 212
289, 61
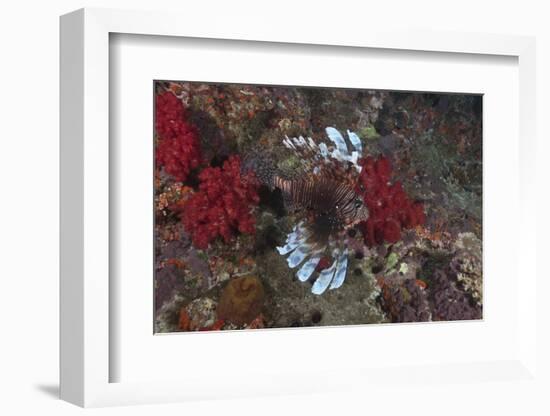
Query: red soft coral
390, 209
178, 148
223, 204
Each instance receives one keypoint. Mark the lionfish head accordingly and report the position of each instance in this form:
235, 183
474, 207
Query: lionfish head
354, 211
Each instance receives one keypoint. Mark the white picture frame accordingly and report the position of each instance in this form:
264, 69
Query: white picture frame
85, 216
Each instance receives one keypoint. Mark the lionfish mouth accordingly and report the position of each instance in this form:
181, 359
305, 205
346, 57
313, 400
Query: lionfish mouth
303, 248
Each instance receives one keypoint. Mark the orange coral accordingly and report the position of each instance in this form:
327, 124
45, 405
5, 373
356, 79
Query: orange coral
241, 300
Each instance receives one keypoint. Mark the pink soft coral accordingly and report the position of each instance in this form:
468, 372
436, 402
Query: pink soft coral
223, 204
390, 209
178, 147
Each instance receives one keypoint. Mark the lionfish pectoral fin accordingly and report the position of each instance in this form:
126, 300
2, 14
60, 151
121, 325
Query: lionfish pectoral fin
287, 248
293, 240
324, 279
308, 268
298, 256
341, 269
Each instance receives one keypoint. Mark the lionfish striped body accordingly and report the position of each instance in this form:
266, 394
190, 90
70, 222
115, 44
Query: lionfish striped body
331, 206
324, 195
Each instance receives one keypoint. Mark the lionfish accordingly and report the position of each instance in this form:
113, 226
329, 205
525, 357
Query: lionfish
323, 193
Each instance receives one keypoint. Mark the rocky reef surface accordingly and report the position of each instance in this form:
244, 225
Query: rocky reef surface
217, 229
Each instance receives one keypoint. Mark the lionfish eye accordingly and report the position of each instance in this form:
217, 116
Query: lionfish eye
358, 203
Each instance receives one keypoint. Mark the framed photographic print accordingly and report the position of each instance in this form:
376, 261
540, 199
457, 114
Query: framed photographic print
319, 213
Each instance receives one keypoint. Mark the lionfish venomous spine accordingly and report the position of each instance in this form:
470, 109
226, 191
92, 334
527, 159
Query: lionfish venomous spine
324, 195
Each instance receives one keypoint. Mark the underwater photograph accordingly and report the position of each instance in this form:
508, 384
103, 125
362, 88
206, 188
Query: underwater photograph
288, 206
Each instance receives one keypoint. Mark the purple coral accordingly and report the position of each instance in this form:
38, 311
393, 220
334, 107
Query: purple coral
448, 302
405, 302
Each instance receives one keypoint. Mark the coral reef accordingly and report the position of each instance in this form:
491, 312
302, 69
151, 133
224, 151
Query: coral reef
418, 281
178, 146
406, 302
449, 302
390, 209
222, 206
241, 300
199, 314
179, 268
246, 114
291, 304
467, 264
